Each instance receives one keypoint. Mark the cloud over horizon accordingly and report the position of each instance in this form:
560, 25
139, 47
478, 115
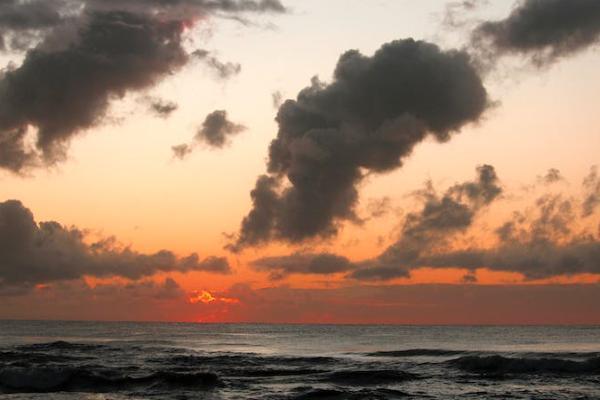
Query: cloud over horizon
303, 263
34, 253
433, 226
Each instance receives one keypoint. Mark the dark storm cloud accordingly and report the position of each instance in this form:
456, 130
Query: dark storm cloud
367, 120
544, 30
216, 130
591, 185
440, 218
32, 253
303, 263
85, 58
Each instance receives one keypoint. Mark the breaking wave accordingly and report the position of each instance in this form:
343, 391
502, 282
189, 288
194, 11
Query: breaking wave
416, 353
136, 369
499, 365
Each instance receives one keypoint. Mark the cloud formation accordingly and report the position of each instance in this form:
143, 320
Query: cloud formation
542, 30
215, 132
368, 119
303, 263
541, 247
34, 253
546, 241
440, 218
87, 55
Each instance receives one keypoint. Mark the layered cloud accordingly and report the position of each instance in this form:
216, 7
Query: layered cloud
34, 253
215, 132
440, 218
368, 119
83, 55
303, 263
555, 237
541, 30
544, 245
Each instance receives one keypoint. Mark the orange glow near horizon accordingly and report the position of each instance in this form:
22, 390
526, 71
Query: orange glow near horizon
204, 296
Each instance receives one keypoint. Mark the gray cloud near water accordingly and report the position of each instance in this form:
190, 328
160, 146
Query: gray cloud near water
34, 253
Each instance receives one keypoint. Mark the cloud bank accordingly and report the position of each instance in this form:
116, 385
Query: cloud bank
34, 253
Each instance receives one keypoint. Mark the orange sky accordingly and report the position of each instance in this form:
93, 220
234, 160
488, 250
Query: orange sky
121, 180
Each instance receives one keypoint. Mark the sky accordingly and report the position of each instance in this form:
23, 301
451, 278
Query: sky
300, 161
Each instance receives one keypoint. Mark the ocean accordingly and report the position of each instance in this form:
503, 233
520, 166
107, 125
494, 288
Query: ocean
106, 360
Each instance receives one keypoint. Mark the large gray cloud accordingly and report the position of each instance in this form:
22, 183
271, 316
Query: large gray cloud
368, 119
85, 59
544, 30
32, 253
440, 219
216, 130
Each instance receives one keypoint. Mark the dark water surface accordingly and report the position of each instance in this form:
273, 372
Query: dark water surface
88, 360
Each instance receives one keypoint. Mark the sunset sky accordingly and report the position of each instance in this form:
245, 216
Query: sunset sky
449, 179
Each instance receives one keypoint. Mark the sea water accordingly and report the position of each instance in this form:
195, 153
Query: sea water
115, 360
